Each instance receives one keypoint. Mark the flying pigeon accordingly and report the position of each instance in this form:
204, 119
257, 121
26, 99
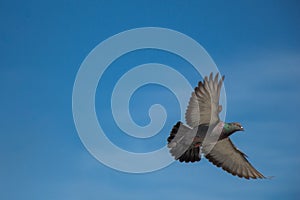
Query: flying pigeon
206, 133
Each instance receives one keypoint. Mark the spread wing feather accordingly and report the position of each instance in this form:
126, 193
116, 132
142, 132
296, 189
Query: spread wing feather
204, 105
226, 155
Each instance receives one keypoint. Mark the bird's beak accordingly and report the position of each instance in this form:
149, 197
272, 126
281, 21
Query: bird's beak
242, 129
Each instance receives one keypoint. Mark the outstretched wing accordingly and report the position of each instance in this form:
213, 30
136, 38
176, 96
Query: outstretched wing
204, 105
226, 155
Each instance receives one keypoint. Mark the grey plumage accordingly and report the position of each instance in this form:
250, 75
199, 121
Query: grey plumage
206, 133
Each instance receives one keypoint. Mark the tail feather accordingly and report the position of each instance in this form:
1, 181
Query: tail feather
191, 155
181, 144
173, 132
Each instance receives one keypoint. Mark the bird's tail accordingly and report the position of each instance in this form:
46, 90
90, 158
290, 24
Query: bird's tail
181, 144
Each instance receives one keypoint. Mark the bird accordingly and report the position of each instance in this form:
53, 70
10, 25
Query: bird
206, 135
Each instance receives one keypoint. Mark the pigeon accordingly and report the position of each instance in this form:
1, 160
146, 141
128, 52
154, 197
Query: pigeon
205, 134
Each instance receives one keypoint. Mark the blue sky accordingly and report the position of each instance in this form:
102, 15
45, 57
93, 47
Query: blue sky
42, 44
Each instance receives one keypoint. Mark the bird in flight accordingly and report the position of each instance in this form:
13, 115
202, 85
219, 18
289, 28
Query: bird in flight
206, 134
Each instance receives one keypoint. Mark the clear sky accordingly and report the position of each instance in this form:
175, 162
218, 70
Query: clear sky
42, 45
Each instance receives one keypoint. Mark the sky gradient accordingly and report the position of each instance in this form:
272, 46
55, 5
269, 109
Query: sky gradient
255, 45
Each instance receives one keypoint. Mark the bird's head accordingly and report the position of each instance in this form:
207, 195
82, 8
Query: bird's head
237, 126
230, 128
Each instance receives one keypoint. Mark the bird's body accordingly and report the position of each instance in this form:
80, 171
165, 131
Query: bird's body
207, 134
